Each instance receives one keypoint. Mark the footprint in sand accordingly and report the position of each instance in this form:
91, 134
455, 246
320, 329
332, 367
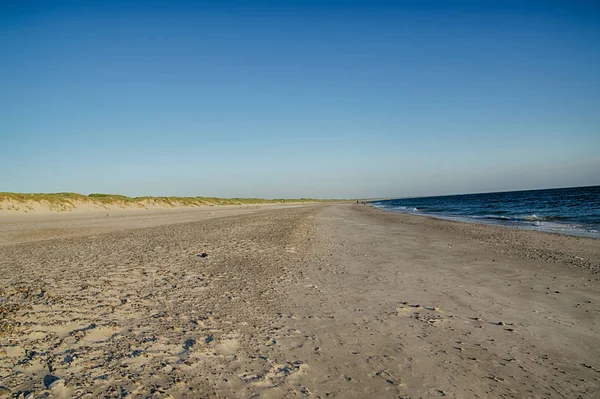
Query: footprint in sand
229, 346
278, 373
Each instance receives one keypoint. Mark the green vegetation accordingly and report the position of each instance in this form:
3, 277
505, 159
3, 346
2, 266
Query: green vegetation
65, 201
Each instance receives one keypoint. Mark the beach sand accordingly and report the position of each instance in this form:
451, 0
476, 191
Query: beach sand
319, 300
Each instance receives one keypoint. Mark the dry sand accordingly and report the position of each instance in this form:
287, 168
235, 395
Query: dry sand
326, 300
18, 227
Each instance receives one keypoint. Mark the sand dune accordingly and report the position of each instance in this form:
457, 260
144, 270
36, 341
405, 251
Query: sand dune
313, 301
18, 204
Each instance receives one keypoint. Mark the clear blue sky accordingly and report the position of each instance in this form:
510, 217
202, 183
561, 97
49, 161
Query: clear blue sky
298, 99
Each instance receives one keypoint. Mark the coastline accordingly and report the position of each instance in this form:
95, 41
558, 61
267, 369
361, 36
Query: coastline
571, 250
491, 222
337, 300
569, 210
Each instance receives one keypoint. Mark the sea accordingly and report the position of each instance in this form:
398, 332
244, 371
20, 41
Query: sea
572, 211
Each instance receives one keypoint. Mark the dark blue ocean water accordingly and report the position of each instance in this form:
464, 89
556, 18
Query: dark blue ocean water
574, 211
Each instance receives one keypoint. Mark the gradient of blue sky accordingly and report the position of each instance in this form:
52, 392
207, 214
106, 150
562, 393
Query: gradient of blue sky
291, 98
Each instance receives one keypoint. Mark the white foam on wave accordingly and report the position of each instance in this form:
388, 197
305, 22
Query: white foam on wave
395, 208
409, 209
520, 222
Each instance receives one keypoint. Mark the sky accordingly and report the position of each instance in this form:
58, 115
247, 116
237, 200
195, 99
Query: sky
327, 99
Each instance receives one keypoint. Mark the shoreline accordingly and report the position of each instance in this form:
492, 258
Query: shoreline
482, 221
579, 251
569, 210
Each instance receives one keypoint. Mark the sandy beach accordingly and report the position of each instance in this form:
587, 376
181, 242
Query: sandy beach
332, 300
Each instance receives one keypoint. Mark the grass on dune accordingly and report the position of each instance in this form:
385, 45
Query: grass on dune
66, 200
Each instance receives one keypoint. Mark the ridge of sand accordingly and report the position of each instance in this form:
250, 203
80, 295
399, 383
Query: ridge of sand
315, 301
75, 203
